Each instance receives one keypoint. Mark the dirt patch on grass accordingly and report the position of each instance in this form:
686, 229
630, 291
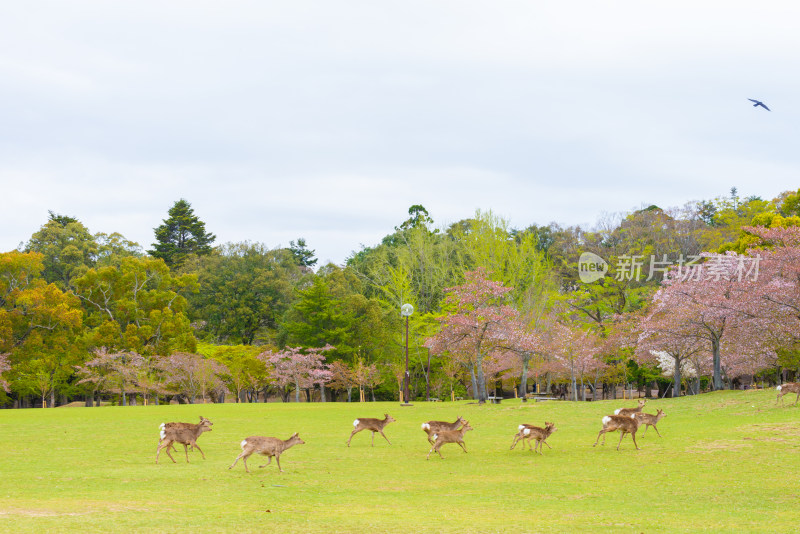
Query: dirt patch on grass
776, 432
708, 447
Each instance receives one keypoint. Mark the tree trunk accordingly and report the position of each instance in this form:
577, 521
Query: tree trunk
676, 376
481, 384
523, 379
322, 393
474, 382
718, 385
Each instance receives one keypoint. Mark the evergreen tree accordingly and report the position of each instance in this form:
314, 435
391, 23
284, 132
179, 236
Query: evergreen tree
182, 234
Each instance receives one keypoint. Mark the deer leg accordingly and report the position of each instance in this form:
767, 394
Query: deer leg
352, 434
186, 452
621, 435
516, 438
645, 429
548, 445
158, 451
601, 433
269, 461
278, 461
236, 460
199, 449
633, 435
373, 439
656, 429
384, 436
166, 449
463, 446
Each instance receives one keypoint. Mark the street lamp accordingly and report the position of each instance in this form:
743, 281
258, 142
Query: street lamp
405, 311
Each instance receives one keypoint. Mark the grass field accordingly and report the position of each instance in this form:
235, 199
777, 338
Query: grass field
728, 461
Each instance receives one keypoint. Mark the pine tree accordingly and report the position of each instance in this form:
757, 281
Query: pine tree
182, 234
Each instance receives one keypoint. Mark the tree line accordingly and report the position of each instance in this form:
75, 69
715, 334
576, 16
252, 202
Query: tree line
698, 297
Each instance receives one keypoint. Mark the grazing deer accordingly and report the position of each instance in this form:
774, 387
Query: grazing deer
432, 427
631, 411
449, 436
626, 424
268, 447
183, 433
373, 425
539, 434
788, 387
648, 420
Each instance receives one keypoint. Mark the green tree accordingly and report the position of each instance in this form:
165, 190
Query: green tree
182, 234
244, 291
137, 306
302, 255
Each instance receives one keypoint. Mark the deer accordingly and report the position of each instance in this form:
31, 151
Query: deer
528, 432
449, 436
268, 447
432, 427
626, 424
373, 425
649, 420
788, 387
185, 434
163, 426
630, 411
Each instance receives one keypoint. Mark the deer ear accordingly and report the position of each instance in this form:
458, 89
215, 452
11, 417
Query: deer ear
293, 435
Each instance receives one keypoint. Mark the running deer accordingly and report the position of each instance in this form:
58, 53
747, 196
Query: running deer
183, 433
373, 425
631, 411
432, 427
449, 436
626, 424
537, 433
163, 426
268, 447
788, 387
649, 420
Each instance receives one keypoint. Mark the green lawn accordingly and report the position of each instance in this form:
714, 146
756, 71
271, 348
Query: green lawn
727, 461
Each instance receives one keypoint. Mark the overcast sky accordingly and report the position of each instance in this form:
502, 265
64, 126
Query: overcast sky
328, 119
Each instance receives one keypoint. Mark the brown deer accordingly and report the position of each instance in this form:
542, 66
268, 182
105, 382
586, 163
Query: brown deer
539, 434
631, 411
268, 447
449, 436
185, 434
432, 427
788, 387
649, 420
164, 426
626, 424
373, 425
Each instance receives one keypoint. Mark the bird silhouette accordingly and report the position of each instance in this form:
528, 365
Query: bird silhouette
759, 103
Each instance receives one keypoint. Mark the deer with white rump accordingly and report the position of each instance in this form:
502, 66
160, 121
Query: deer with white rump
626, 424
631, 411
537, 433
449, 436
373, 425
184, 433
788, 387
432, 427
649, 420
268, 447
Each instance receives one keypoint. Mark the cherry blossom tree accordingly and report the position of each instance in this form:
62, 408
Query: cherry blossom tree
4, 366
342, 377
113, 372
192, 375
475, 325
302, 367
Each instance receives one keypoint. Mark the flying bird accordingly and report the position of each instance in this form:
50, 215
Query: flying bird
759, 103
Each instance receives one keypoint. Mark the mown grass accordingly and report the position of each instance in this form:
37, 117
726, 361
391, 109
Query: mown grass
727, 461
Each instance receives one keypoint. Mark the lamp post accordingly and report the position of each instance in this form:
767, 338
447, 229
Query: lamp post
405, 311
